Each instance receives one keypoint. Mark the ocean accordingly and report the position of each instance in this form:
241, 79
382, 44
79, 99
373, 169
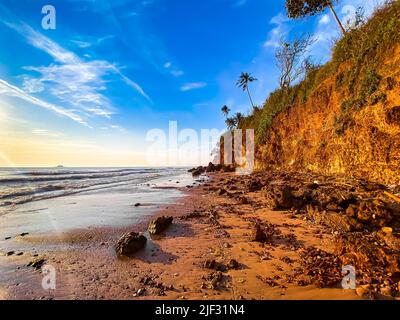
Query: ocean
21, 185
61, 199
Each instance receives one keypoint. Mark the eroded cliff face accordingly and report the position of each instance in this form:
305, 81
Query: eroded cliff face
365, 145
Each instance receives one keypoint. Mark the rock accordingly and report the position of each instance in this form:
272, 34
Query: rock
233, 264
7, 238
210, 264
387, 230
24, 234
37, 263
258, 234
198, 171
210, 167
254, 186
138, 204
243, 200
130, 243
363, 291
282, 198
386, 291
159, 225
10, 253
221, 192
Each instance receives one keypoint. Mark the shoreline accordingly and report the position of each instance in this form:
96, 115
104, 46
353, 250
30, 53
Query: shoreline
195, 259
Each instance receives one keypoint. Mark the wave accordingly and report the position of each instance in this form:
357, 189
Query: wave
35, 189
47, 177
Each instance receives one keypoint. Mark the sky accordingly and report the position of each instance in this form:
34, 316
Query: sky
88, 92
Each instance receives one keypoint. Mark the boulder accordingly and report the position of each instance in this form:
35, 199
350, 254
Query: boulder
158, 225
233, 264
282, 198
130, 243
254, 186
198, 171
258, 234
37, 263
210, 167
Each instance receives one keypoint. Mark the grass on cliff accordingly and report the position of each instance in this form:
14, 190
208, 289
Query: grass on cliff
362, 49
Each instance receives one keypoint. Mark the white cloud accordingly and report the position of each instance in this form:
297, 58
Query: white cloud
47, 133
176, 72
32, 85
325, 19
9, 89
193, 85
71, 80
280, 30
81, 44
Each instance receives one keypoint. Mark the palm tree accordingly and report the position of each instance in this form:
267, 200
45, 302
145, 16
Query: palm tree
238, 118
244, 81
230, 123
225, 110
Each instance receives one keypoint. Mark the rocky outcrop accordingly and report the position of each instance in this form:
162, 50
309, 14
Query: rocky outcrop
211, 168
159, 225
130, 243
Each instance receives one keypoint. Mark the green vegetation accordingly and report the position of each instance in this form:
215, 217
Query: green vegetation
362, 49
302, 8
244, 81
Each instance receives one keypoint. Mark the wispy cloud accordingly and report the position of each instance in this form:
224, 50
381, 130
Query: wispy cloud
193, 85
47, 133
84, 43
280, 30
172, 69
11, 90
73, 81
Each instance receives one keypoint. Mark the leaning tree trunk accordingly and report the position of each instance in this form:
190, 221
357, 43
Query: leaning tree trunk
251, 100
337, 18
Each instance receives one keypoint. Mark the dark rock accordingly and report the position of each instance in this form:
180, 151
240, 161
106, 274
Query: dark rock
138, 204
210, 264
130, 243
210, 167
37, 263
233, 264
258, 234
243, 200
7, 238
254, 186
24, 234
10, 253
198, 171
221, 192
282, 198
159, 225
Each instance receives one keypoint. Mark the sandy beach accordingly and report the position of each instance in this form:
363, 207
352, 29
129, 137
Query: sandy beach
207, 253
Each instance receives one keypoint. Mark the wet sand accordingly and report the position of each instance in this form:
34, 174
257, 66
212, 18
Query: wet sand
172, 266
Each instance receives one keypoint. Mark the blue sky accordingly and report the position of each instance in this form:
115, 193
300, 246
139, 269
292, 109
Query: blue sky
87, 92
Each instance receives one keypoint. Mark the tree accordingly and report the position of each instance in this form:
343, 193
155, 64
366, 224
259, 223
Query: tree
244, 81
301, 8
289, 60
230, 123
238, 118
225, 110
